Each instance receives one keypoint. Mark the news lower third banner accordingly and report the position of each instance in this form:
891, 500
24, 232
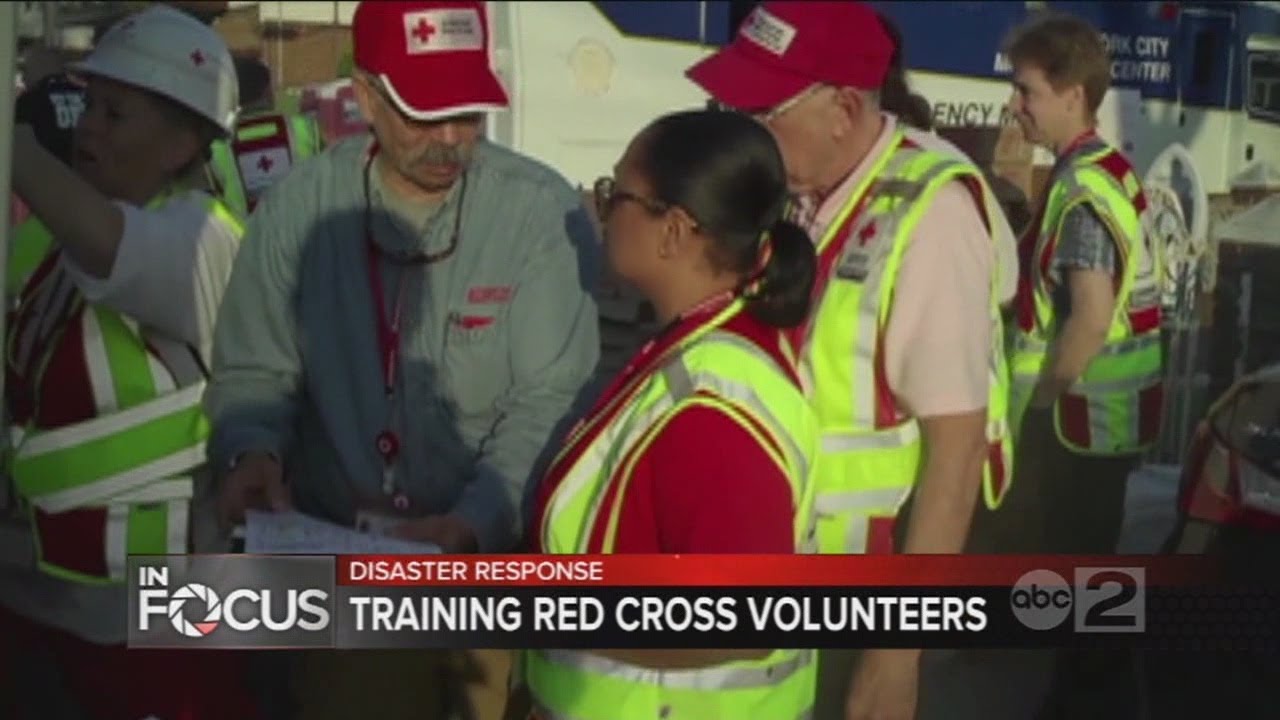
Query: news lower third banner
704, 601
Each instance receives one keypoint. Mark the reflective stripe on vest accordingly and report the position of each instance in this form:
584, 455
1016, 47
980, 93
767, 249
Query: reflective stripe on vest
119, 482
713, 367
710, 366
870, 450
305, 135
691, 694
230, 187
1116, 404
92, 462
30, 244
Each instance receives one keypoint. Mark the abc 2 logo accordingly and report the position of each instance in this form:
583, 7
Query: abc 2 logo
1099, 600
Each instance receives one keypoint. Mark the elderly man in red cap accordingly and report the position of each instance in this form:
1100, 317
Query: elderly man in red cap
408, 324
903, 352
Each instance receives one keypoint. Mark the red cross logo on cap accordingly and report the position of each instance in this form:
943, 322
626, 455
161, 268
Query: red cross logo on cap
197, 57
264, 164
423, 31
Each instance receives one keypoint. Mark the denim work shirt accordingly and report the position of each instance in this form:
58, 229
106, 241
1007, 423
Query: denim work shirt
497, 340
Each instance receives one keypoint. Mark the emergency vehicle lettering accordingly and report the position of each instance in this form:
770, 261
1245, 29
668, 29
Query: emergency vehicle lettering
971, 114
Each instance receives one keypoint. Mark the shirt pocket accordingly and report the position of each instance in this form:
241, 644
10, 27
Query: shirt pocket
467, 329
476, 349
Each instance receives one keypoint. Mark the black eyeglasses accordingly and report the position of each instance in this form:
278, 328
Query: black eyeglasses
608, 195
410, 258
767, 114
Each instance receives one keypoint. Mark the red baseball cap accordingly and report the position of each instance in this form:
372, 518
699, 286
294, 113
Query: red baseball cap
432, 57
784, 47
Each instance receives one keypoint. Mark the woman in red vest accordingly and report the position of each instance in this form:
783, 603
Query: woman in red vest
692, 219
702, 444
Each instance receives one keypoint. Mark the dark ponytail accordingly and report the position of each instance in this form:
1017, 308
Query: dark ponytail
896, 97
895, 92
726, 171
786, 282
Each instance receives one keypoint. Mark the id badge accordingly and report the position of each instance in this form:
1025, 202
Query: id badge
375, 522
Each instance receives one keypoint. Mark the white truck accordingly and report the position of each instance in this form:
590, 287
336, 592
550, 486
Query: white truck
586, 75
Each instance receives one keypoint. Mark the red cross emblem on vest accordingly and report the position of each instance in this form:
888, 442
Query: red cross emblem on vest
264, 163
866, 233
423, 31
197, 58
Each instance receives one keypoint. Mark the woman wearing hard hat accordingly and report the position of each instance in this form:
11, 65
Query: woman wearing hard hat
106, 358
703, 443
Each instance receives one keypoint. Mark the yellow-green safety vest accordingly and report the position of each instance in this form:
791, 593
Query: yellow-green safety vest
713, 368
1115, 407
869, 461
241, 178
28, 246
136, 457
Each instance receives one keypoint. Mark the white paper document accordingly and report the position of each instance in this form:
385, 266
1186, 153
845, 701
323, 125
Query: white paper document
292, 533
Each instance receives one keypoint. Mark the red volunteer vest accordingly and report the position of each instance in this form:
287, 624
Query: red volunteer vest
616, 396
1034, 267
49, 385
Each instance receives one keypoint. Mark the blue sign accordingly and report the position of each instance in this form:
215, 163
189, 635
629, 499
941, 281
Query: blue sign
678, 20
1192, 51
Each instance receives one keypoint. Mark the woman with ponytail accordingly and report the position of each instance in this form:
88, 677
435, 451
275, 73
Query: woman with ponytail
703, 444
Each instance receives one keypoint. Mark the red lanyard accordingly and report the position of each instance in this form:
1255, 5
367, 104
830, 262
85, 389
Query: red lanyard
387, 442
388, 324
1074, 145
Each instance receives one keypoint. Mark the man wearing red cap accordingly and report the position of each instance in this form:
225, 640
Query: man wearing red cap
903, 355
408, 325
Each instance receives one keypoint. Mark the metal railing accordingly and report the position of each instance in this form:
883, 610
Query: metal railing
1185, 384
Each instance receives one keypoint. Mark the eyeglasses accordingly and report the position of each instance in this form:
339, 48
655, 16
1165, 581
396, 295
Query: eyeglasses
608, 195
379, 89
410, 258
769, 114
766, 116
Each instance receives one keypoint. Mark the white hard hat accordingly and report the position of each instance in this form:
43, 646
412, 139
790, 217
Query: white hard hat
173, 54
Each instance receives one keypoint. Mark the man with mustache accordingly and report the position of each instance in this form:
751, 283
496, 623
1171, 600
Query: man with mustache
410, 320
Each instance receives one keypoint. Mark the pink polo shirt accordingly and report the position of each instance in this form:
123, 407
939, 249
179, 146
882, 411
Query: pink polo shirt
938, 335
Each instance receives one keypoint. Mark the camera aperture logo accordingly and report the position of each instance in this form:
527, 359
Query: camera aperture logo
1110, 600
239, 602
194, 591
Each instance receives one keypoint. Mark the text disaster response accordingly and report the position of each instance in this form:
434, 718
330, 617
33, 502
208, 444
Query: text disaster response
558, 609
